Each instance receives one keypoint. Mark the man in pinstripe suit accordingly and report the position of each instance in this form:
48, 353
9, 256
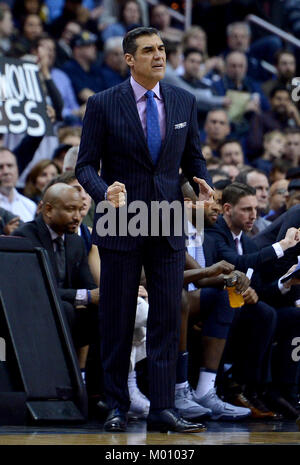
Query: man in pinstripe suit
118, 131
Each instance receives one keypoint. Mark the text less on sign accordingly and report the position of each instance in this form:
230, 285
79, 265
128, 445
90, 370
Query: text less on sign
22, 101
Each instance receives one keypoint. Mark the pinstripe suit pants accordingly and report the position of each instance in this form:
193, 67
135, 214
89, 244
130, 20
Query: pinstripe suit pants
120, 278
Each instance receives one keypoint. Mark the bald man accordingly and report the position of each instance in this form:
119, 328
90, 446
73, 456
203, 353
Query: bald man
54, 230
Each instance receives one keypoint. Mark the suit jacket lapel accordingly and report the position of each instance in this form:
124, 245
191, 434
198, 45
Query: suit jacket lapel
46, 241
131, 114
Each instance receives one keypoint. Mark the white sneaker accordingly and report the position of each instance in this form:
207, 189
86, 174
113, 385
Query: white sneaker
221, 410
186, 405
139, 404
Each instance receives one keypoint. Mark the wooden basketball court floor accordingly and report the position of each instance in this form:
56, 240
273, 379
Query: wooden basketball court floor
251, 432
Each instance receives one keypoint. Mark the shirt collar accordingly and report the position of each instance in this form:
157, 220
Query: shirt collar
16, 196
237, 236
139, 91
54, 234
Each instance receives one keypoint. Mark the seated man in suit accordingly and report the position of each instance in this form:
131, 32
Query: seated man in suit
252, 349
210, 305
54, 230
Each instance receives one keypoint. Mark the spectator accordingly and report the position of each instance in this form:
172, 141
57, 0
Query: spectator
231, 170
292, 148
82, 69
216, 128
293, 197
31, 30
71, 112
114, 70
204, 96
130, 17
283, 114
231, 152
38, 177
63, 45
274, 143
212, 67
27, 7
236, 79
277, 199
73, 11
10, 198
160, 18
279, 170
286, 70
6, 30
259, 54
259, 181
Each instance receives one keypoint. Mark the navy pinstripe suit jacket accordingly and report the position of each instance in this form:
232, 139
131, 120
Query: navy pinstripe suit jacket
112, 132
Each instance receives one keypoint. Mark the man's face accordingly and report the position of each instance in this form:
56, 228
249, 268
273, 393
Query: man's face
8, 170
243, 215
88, 52
211, 212
85, 197
64, 215
261, 184
160, 17
217, 126
192, 65
278, 194
292, 148
115, 59
236, 66
286, 66
232, 153
148, 64
197, 40
239, 39
279, 101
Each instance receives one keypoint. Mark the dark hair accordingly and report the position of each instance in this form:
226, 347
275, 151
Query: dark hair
216, 172
229, 141
123, 6
129, 41
280, 52
235, 191
190, 50
242, 176
221, 184
171, 47
279, 88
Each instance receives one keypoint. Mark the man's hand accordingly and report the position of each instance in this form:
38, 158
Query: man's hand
221, 267
250, 296
11, 225
292, 281
242, 282
143, 293
206, 193
292, 237
95, 296
116, 194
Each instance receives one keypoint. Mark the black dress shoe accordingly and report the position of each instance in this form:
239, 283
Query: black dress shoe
116, 421
170, 420
281, 405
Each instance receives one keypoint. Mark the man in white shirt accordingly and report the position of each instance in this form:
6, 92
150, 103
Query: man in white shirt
10, 198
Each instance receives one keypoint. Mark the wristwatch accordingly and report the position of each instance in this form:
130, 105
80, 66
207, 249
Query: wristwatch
230, 281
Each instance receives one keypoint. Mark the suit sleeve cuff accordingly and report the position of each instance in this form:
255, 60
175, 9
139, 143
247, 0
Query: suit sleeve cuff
278, 249
282, 288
